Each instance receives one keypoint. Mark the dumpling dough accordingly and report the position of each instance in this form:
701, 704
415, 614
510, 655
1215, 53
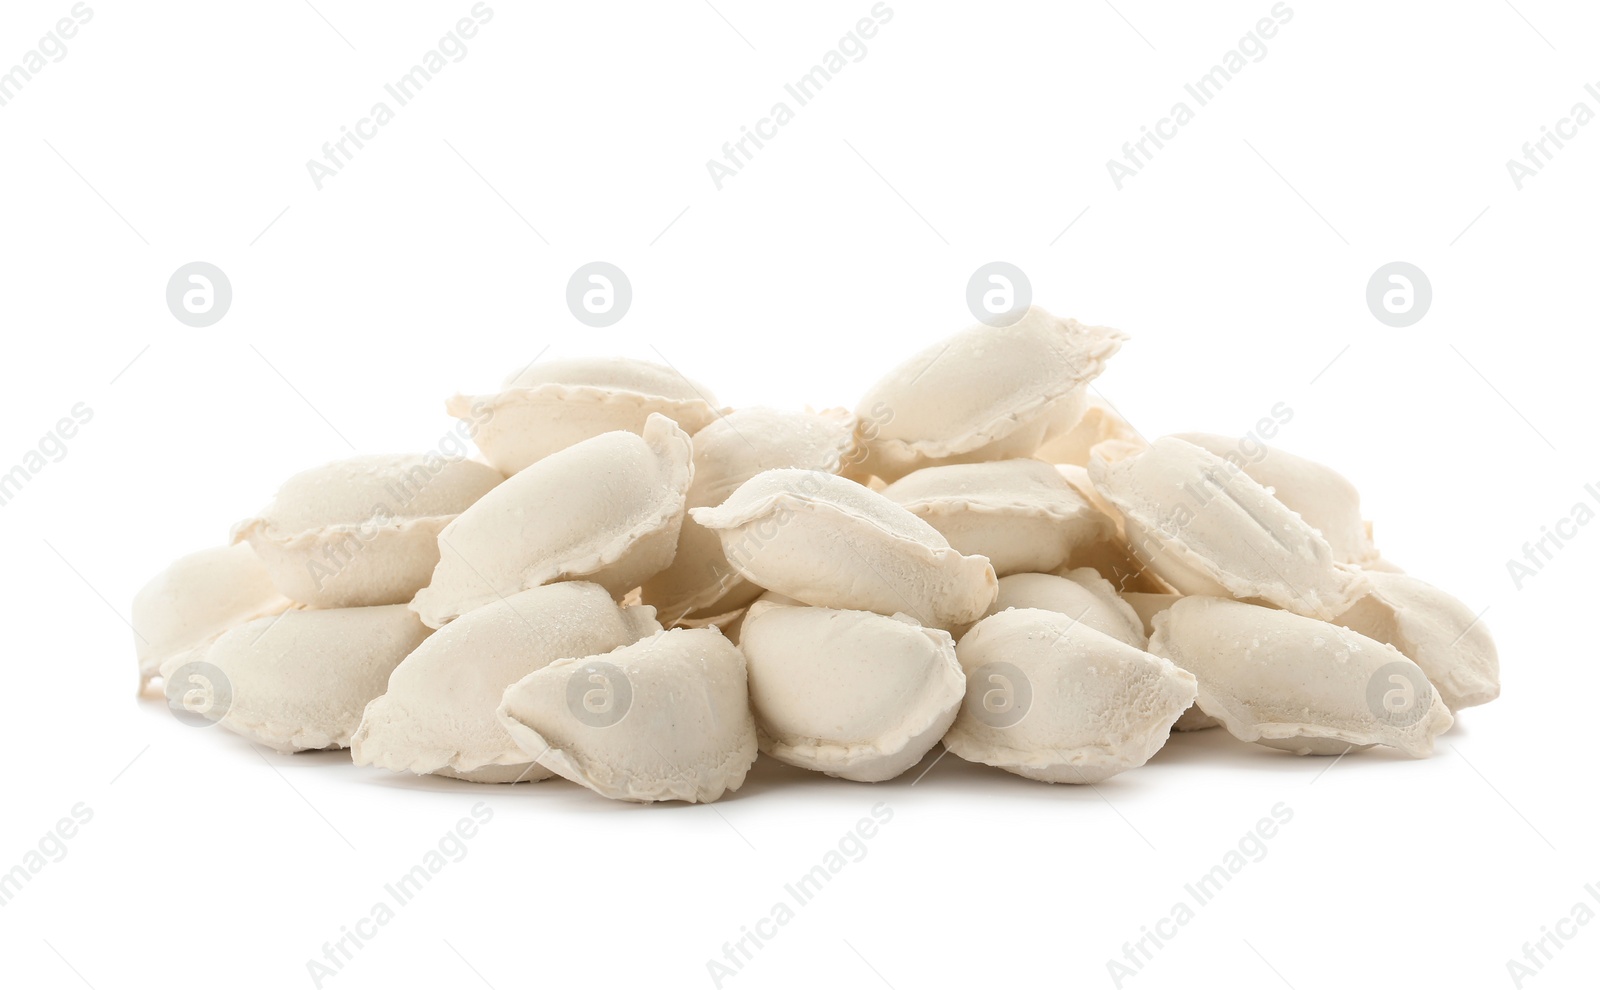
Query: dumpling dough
1295, 683
1437, 631
984, 394
299, 680
853, 694
551, 405
826, 541
199, 597
700, 584
605, 510
438, 713
363, 531
1051, 699
1208, 529
1021, 514
1323, 497
665, 719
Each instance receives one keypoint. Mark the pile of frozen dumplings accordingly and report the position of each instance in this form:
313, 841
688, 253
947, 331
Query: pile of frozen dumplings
638, 591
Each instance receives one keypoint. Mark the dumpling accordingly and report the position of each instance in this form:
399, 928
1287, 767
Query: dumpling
985, 394
664, 719
700, 583
551, 405
199, 597
853, 694
299, 680
1051, 699
605, 510
364, 530
827, 541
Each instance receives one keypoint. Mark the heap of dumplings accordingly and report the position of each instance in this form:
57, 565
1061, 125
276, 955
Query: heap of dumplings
638, 591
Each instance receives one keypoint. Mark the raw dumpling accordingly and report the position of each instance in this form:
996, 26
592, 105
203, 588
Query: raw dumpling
1021, 514
551, 405
1322, 496
200, 596
439, 710
1082, 594
984, 394
363, 531
700, 583
298, 680
605, 510
1436, 631
1208, 529
1300, 684
831, 542
665, 719
1051, 699
853, 694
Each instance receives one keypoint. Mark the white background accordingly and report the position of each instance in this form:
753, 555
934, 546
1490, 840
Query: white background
437, 261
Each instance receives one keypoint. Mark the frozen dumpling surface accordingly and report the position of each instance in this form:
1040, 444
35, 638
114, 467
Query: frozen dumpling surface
605, 510
664, 719
984, 394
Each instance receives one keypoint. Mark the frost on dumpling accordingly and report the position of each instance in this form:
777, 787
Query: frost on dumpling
551, 405
984, 394
1323, 497
664, 719
827, 541
1051, 699
364, 530
200, 596
1208, 529
1296, 683
438, 712
853, 694
605, 510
